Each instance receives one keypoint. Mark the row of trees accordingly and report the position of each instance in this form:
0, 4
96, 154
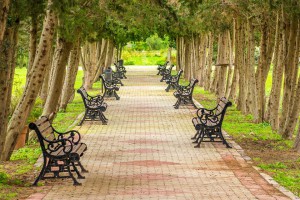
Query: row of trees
237, 28
62, 34
66, 32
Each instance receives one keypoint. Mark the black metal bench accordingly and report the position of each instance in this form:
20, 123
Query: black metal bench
173, 81
120, 70
94, 107
166, 74
161, 68
110, 89
61, 151
185, 94
208, 123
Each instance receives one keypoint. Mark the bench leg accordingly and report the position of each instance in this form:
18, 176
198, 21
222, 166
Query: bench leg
83, 170
84, 117
75, 182
201, 136
168, 88
42, 173
116, 95
102, 118
223, 139
79, 176
178, 103
195, 136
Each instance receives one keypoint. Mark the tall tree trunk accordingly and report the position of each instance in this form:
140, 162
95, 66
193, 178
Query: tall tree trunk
223, 61
178, 67
202, 59
240, 64
68, 91
169, 55
251, 82
60, 59
209, 62
297, 140
4, 8
89, 62
7, 68
45, 87
289, 70
187, 60
291, 123
32, 41
101, 59
265, 58
31, 90
109, 54
274, 100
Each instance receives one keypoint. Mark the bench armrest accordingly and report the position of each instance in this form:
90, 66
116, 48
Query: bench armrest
210, 120
59, 145
204, 111
72, 135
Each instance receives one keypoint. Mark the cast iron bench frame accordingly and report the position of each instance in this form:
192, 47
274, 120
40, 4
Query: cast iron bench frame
94, 107
208, 123
185, 94
110, 89
161, 68
167, 73
61, 151
173, 81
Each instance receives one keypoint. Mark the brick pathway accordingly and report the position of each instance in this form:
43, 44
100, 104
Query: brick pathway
145, 152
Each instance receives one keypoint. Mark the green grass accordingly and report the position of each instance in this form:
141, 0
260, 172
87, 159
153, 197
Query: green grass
145, 57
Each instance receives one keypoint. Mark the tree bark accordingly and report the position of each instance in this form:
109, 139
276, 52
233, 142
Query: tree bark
109, 54
89, 62
187, 60
265, 58
289, 70
7, 68
32, 41
297, 140
68, 91
209, 62
31, 90
4, 8
60, 59
274, 99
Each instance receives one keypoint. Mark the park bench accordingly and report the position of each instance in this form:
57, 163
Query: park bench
61, 151
185, 94
161, 68
120, 70
110, 89
166, 74
208, 123
94, 107
173, 81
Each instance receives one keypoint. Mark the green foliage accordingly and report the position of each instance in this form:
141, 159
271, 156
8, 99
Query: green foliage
4, 177
144, 57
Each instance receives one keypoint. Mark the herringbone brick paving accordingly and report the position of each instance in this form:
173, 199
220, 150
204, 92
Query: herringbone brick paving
145, 152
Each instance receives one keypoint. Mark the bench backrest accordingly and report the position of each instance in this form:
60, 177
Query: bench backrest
192, 84
221, 108
44, 131
84, 95
178, 75
104, 82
